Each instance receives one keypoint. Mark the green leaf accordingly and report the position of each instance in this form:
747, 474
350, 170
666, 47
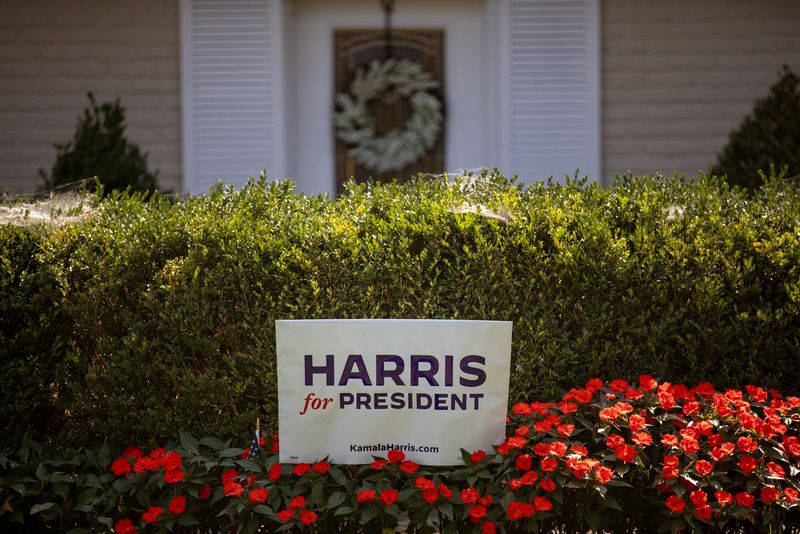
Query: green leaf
339, 477
36, 508
316, 493
231, 452
213, 443
446, 509
41, 472
189, 443
367, 515
343, 510
594, 520
336, 499
187, 520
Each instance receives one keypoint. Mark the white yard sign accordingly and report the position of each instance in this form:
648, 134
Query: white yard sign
354, 389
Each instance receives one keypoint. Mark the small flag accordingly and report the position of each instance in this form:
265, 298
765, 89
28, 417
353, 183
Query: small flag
254, 446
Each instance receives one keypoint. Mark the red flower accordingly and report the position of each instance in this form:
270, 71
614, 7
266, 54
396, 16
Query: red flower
132, 452
542, 504
513, 512
297, 502
670, 440
396, 455
233, 489
321, 467
124, 526
666, 400
636, 423
703, 512
769, 494
625, 453
521, 408
647, 382
747, 464
580, 450
642, 438
547, 484
469, 495
723, 497
121, 466
172, 461
568, 407
152, 513
608, 414
286, 515
671, 472
516, 442
275, 472
565, 430
603, 474
477, 456
379, 464
477, 512
558, 448
366, 495
144, 464
594, 384
634, 394
703, 467
676, 504
744, 499
699, 498
228, 476
549, 464
445, 491
775, 470
618, 385
301, 469
173, 476
430, 495
258, 495
307, 517
388, 496
487, 527
409, 467
177, 505
746, 444
791, 495
424, 483
614, 440
689, 445
205, 492
524, 430
524, 462
726, 449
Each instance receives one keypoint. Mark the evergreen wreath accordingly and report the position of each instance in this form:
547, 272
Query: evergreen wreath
356, 126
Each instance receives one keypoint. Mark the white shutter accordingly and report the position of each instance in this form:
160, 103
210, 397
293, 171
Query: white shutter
232, 75
550, 88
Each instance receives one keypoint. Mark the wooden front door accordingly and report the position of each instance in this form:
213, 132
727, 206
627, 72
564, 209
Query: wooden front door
354, 49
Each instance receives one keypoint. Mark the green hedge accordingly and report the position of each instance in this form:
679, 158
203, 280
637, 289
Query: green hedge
150, 317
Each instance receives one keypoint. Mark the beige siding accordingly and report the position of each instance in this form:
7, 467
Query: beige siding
679, 75
53, 52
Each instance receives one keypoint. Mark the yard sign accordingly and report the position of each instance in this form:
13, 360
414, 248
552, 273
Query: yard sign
354, 389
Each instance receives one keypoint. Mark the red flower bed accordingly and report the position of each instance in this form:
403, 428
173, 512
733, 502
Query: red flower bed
613, 456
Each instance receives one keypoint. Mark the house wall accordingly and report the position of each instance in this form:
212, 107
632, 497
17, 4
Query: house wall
678, 76
53, 52
310, 25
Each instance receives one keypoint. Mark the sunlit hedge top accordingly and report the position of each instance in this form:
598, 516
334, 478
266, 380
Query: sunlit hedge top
149, 317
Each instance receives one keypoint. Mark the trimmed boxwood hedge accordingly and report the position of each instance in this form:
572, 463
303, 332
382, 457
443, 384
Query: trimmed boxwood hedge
153, 316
